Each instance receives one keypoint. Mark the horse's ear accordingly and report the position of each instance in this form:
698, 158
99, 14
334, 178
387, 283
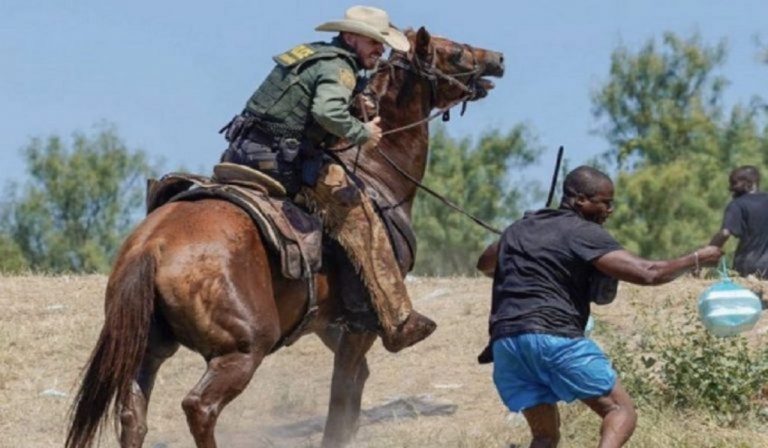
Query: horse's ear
422, 42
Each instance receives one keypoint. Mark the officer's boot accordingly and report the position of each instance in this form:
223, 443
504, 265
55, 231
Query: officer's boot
350, 219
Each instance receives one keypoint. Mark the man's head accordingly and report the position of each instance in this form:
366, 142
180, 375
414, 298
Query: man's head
744, 179
368, 50
366, 30
589, 192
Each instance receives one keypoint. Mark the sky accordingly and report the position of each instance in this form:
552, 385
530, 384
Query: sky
168, 74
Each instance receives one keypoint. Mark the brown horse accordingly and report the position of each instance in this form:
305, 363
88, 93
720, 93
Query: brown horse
198, 274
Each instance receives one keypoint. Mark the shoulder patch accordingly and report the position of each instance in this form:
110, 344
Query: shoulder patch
295, 54
347, 78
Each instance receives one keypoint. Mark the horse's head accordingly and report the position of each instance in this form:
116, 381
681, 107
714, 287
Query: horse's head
455, 72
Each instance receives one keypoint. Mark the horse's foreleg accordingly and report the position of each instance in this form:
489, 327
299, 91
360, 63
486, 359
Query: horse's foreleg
133, 410
226, 377
350, 370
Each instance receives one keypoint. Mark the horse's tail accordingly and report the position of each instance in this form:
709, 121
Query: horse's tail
118, 354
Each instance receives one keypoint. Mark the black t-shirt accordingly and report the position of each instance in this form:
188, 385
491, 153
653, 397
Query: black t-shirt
542, 278
746, 217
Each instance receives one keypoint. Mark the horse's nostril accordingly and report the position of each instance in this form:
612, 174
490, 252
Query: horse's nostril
501, 59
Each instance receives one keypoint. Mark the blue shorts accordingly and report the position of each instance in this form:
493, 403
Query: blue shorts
531, 369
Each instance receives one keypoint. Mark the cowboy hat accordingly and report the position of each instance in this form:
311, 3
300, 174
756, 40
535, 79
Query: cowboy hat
370, 22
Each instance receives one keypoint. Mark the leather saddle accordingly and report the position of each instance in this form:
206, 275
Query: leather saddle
265, 200
292, 234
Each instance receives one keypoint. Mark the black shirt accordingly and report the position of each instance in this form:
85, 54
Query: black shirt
746, 217
542, 278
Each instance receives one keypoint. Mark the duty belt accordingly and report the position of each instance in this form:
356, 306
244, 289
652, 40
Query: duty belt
271, 128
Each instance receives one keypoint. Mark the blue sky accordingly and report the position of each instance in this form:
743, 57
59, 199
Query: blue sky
170, 73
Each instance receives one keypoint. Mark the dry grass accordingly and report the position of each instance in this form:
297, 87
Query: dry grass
49, 324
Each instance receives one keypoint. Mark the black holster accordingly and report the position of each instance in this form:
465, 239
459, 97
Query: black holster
278, 157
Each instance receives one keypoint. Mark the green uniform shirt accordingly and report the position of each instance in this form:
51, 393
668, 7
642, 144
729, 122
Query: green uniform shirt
310, 88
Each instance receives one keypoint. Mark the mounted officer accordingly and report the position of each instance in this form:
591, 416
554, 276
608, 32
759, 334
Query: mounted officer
302, 108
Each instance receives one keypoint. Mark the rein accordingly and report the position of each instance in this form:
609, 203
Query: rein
440, 112
432, 73
428, 118
437, 195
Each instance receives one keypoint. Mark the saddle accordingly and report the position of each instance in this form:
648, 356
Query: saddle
292, 234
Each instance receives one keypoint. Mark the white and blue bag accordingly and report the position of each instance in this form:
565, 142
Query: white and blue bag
590, 327
727, 308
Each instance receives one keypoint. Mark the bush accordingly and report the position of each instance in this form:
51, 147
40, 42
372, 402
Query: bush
633, 370
684, 366
723, 375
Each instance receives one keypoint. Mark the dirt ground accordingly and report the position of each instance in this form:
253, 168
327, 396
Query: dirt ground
48, 326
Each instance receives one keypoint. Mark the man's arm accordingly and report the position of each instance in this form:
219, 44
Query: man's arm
331, 102
487, 261
626, 266
720, 238
732, 225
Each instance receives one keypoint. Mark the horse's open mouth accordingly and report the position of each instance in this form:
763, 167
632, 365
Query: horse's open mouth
482, 86
493, 65
485, 84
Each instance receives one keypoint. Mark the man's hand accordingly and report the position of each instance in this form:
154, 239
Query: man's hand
364, 106
709, 255
375, 133
720, 238
487, 261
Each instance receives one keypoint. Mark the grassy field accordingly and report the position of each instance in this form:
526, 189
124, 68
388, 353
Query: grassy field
48, 326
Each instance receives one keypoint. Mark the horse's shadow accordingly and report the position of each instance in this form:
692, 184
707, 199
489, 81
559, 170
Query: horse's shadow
397, 409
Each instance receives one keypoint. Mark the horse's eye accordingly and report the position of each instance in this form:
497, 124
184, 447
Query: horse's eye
457, 56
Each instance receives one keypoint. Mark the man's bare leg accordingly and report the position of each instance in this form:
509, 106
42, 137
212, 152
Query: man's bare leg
544, 421
619, 417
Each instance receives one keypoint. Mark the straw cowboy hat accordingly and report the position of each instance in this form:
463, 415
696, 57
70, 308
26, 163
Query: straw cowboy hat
370, 22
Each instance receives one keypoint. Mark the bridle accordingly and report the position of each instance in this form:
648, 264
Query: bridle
429, 71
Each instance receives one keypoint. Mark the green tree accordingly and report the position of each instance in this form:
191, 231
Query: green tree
11, 258
476, 178
79, 202
661, 104
672, 143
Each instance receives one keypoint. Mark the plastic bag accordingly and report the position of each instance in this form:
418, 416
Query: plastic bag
589, 327
727, 308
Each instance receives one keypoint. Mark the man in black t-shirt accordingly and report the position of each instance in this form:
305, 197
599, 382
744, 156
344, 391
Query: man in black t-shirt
746, 218
547, 268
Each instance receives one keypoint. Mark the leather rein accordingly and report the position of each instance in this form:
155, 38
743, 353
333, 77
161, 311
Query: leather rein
432, 74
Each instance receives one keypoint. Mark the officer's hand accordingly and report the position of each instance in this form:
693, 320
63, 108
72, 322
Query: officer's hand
709, 255
365, 106
375, 133
370, 106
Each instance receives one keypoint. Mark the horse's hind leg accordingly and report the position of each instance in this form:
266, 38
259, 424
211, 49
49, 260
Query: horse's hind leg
350, 371
227, 375
133, 410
